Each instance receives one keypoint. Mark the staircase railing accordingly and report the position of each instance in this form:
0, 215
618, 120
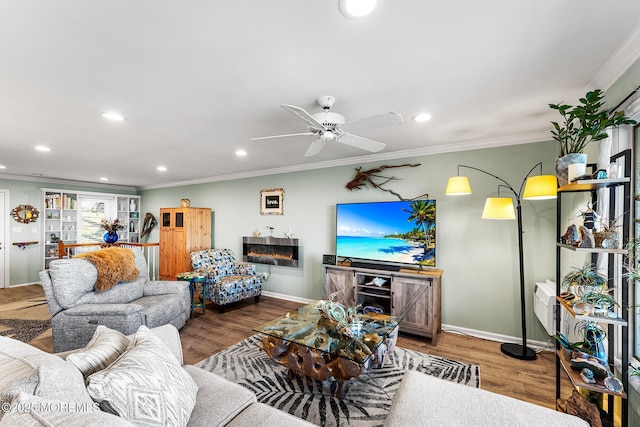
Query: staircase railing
150, 250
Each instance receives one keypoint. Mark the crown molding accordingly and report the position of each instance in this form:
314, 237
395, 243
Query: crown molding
92, 185
622, 59
425, 151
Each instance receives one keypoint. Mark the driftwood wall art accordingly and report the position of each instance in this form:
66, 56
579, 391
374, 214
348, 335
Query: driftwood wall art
369, 177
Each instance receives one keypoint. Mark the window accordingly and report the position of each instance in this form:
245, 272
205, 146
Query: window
93, 209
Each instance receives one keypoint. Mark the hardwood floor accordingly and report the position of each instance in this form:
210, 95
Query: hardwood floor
204, 335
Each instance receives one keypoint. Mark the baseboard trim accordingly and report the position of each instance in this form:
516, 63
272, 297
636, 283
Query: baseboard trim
24, 284
286, 297
490, 336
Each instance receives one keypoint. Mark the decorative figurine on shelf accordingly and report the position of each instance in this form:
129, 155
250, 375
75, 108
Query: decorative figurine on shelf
53, 238
587, 376
185, 203
257, 233
571, 237
589, 216
288, 234
586, 238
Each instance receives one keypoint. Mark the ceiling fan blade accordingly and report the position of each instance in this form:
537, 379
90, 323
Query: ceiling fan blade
314, 148
360, 142
306, 117
378, 121
283, 136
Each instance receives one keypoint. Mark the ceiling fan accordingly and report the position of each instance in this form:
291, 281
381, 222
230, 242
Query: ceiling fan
330, 126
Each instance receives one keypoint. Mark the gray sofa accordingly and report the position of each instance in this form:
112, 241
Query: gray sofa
77, 309
56, 395
421, 400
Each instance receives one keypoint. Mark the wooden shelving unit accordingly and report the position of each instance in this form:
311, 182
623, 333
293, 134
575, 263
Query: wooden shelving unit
576, 380
595, 318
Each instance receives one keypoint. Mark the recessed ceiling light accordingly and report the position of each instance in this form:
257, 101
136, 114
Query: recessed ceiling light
42, 148
112, 115
356, 9
104, 178
3, 167
161, 169
241, 153
422, 117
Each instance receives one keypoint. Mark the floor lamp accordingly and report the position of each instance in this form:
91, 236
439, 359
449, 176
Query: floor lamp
537, 187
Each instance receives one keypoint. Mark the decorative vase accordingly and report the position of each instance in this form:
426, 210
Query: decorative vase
132, 205
185, 203
562, 166
110, 237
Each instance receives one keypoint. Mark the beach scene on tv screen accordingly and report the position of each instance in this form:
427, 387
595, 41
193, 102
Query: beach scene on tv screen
402, 232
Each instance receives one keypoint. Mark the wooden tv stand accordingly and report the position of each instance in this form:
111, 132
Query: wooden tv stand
414, 297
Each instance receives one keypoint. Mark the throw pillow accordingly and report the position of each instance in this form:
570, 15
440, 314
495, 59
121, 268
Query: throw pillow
145, 385
27, 369
105, 347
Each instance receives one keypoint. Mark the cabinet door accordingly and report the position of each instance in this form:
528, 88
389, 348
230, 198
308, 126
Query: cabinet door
411, 299
180, 257
340, 281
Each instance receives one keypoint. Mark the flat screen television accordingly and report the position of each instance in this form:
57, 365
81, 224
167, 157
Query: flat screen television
388, 233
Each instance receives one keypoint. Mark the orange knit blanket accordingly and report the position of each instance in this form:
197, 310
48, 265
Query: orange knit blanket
114, 265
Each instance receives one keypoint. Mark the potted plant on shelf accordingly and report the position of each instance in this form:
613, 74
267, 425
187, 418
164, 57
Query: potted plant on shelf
580, 125
584, 279
607, 236
569, 347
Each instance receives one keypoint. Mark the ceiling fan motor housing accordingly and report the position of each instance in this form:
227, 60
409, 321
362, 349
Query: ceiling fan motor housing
329, 120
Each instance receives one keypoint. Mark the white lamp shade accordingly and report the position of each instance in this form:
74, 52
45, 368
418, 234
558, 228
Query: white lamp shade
499, 208
541, 187
458, 186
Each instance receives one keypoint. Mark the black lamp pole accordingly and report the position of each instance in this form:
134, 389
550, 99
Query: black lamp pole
518, 351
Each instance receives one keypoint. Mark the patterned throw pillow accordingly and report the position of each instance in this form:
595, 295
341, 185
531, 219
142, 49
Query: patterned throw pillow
105, 347
146, 385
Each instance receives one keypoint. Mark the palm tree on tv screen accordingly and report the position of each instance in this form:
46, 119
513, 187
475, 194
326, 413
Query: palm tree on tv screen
423, 213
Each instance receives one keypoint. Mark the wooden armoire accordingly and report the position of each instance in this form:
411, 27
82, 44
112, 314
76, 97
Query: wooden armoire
182, 231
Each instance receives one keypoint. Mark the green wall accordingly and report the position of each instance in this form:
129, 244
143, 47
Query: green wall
479, 257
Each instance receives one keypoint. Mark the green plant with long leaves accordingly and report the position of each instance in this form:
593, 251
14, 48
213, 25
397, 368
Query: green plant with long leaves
585, 122
582, 346
586, 276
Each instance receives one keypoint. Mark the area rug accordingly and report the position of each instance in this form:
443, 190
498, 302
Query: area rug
23, 330
366, 400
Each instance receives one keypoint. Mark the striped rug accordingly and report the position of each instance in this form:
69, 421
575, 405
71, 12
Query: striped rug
366, 400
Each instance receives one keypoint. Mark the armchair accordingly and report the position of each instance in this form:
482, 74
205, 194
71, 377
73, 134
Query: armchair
77, 308
228, 281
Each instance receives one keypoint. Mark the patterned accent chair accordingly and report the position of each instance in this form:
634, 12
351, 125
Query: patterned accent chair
228, 281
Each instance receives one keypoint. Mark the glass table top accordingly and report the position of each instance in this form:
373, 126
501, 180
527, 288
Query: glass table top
309, 326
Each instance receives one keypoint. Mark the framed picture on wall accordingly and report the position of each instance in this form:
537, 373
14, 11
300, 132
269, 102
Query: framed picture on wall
271, 201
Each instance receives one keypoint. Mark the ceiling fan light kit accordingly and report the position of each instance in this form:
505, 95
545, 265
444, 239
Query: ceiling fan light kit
328, 126
357, 9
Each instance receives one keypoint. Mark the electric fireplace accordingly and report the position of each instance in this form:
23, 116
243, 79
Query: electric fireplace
270, 250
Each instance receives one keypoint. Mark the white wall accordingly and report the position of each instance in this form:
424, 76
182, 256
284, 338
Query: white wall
479, 257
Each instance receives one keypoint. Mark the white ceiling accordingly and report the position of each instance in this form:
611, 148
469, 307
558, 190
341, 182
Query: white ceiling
197, 79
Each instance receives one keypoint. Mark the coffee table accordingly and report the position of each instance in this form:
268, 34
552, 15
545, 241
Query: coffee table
309, 344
